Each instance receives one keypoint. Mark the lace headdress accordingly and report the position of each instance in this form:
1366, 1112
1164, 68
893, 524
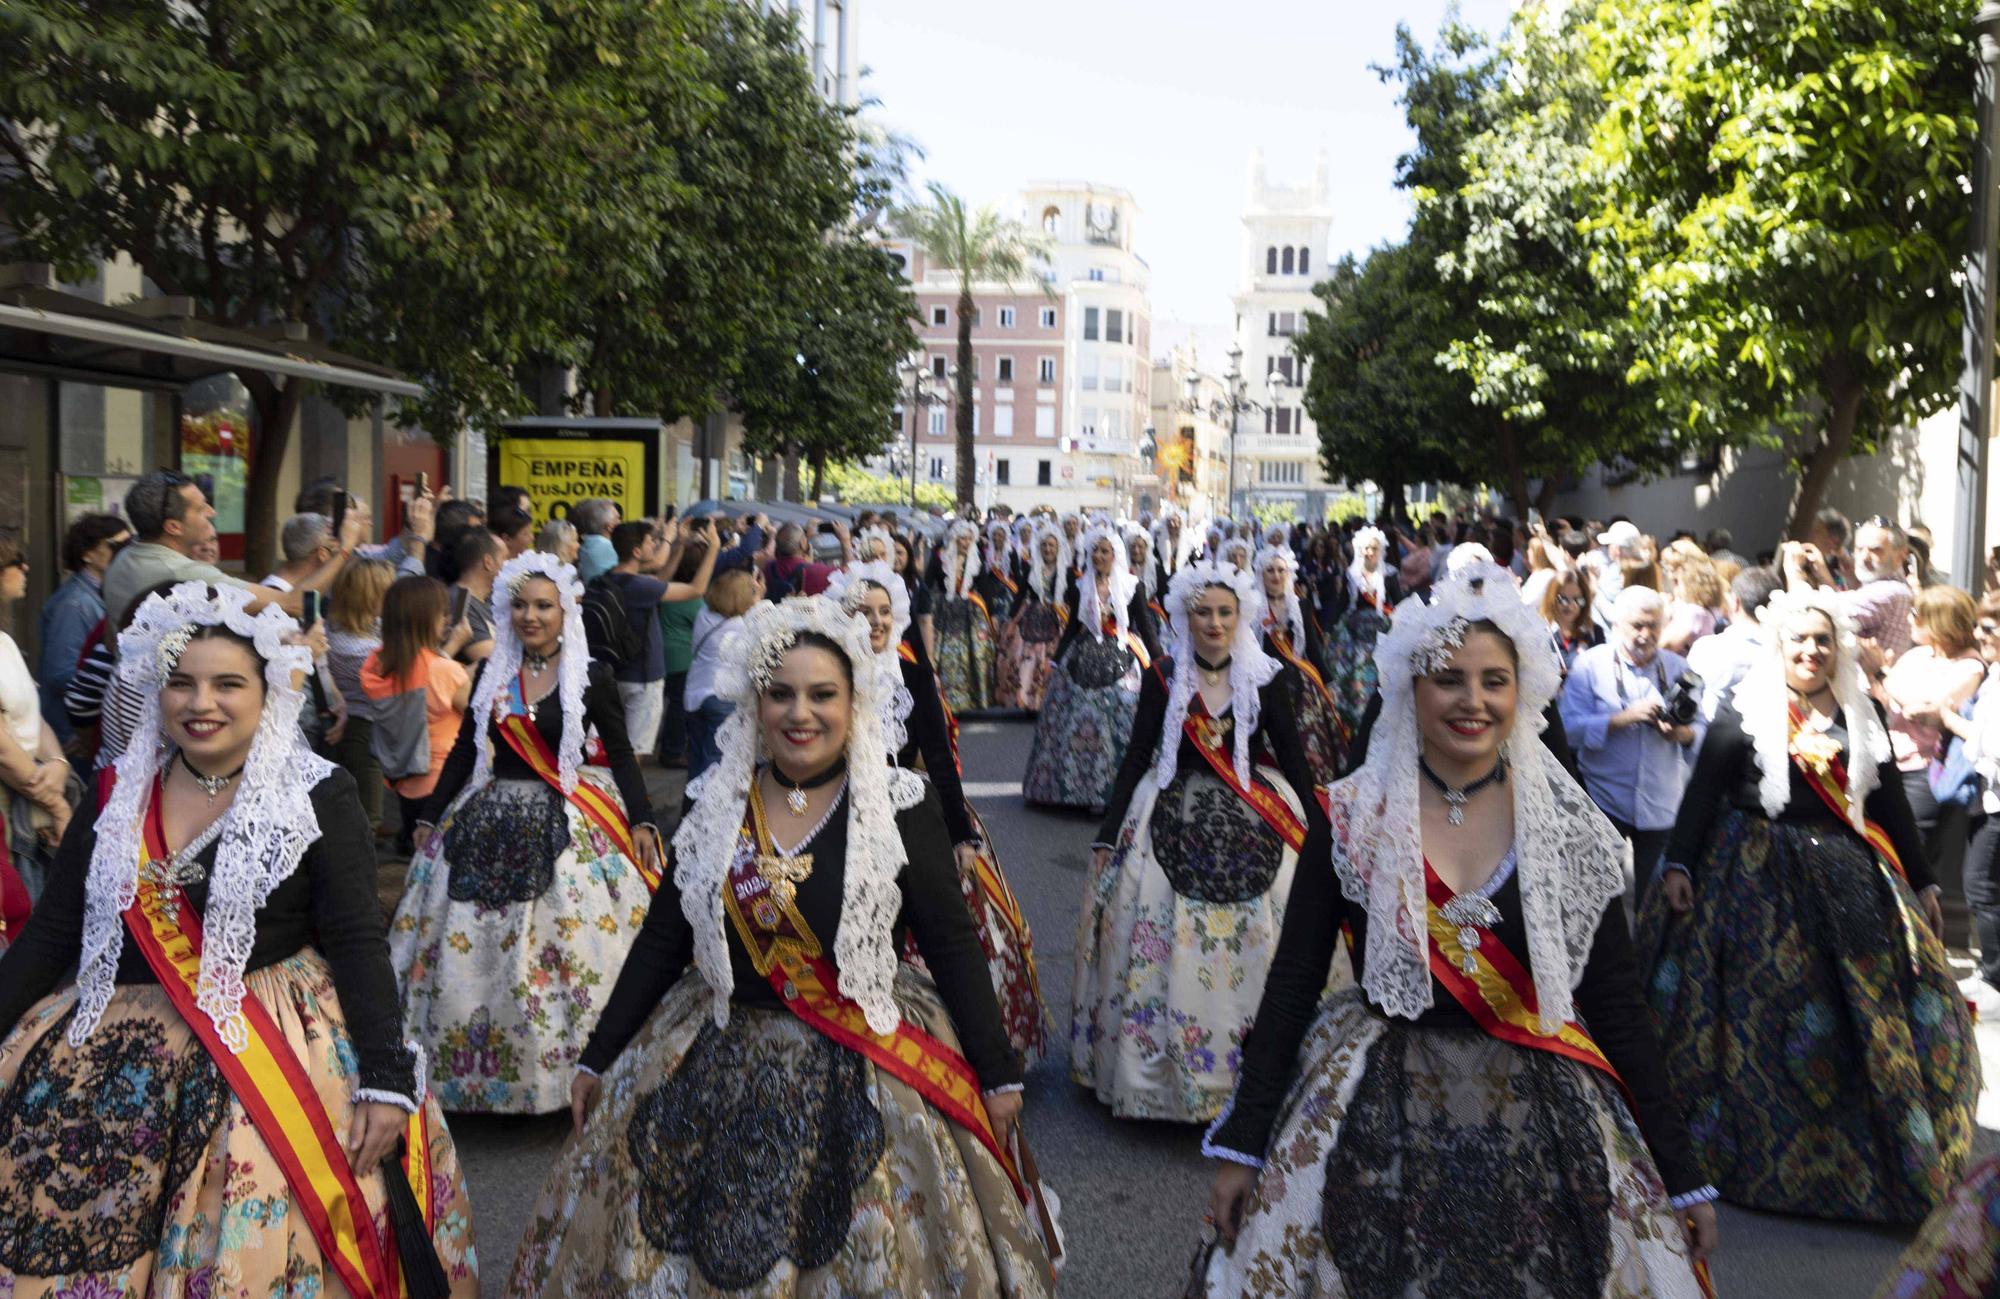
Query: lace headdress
846, 588
1374, 584
705, 845
265, 832
1048, 582
876, 543
959, 570
1147, 575
1169, 550
1763, 697
1238, 551
489, 701
1121, 584
1250, 668
1294, 617
1569, 861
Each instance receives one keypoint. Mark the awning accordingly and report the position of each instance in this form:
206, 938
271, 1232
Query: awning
44, 326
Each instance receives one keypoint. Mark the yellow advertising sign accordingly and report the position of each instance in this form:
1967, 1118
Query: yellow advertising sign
559, 472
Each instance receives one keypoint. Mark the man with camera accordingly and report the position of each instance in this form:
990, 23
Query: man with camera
1631, 710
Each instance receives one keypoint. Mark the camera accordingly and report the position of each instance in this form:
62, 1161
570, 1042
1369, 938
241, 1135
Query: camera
1683, 701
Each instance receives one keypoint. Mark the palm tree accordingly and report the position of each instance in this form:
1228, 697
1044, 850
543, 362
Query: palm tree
983, 247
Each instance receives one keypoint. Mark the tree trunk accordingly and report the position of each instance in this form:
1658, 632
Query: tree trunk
1393, 505
819, 477
1840, 387
1545, 496
791, 484
967, 453
276, 406
1517, 477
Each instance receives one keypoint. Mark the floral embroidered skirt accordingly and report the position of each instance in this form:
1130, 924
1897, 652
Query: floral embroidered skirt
1319, 726
1350, 655
513, 924
1175, 939
1441, 1162
1084, 727
1813, 1032
1957, 1254
128, 1166
964, 654
764, 1160
1028, 657
1009, 946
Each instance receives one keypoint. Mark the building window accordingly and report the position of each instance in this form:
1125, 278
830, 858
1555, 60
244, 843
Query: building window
1283, 365
1048, 317
1271, 260
1045, 421
1271, 325
937, 421
1088, 429
1051, 220
1006, 317
1267, 420
1041, 473
1305, 261
939, 316
1090, 324
938, 365
1284, 421
975, 316
1114, 326
937, 469
1288, 323
1045, 370
1097, 274
975, 367
1003, 420
1005, 372
1288, 260
1002, 472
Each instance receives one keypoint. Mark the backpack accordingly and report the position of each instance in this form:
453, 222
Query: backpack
613, 640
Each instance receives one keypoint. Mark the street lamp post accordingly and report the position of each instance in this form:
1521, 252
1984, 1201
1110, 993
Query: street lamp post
921, 397
1976, 413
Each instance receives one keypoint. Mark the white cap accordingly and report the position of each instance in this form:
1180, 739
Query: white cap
1621, 533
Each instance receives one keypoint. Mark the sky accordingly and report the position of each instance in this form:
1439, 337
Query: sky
1166, 99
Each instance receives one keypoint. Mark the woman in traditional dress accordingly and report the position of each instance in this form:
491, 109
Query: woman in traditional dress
1139, 560
909, 567
1169, 551
1188, 878
1486, 1113
923, 736
1957, 1253
1292, 637
963, 622
1037, 625
215, 1105
999, 584
772, 1104
533, 869
1372, 592
1086, 717
1814, 1031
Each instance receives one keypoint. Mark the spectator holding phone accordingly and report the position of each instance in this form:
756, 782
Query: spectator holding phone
640, 578
478, 556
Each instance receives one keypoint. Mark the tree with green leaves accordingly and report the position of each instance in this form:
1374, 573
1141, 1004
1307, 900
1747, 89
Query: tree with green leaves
830, 384
353, 168
1781, 188
981, 247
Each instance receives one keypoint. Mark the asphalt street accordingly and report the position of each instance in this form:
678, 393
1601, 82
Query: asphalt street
1133, 1193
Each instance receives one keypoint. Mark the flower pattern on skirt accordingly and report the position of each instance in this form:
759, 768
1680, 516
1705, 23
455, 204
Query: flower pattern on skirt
933, 1216
1036, 629
213, 1222
504, 997
1452, 1164
1351, 656
1813, 1031
1084, 728
964, 654
1957, 1254
1166, 983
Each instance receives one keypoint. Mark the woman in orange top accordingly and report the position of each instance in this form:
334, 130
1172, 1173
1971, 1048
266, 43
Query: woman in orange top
414, 617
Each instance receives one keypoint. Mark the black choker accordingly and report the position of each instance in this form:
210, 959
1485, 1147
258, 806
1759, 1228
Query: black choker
210, 785
1456, 797
1212, 672
795, 790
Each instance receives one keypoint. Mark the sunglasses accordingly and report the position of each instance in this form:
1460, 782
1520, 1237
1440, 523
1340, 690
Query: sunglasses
1569, 601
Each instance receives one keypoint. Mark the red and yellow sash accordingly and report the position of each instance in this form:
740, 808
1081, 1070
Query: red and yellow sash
1207, 735
1281, 641
527, 743
909, 655
274, 1090
1828, 779
787, 953
1133, 645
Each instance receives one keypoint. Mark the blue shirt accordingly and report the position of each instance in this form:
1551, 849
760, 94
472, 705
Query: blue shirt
596, 557
1634, 774
72, 611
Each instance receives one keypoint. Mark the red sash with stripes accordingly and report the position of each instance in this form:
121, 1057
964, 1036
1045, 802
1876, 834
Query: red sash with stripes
1207, 735
1828, 779
598, 805
269, 1081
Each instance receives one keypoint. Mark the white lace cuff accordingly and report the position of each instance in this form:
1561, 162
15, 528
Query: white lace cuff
1004, 1088
1700, 1195
1210, 1150
381, 1097
586, 1069
1108, 847
1675, 866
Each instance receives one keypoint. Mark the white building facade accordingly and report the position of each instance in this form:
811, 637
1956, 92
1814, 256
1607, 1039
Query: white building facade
1286, 231
830, 32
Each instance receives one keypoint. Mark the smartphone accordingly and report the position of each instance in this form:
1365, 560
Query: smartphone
423, 483
309, 611
459, 596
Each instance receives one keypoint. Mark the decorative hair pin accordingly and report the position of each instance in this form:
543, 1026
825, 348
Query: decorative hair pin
172, 645
1433, 653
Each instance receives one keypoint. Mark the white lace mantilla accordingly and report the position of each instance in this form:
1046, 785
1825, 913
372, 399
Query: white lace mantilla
960, 567
706, 842
1046, 579
1250, 668
846, 588
572, 668
1571, 862
1294, 617
1088, 607
1763, 697
267, 829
